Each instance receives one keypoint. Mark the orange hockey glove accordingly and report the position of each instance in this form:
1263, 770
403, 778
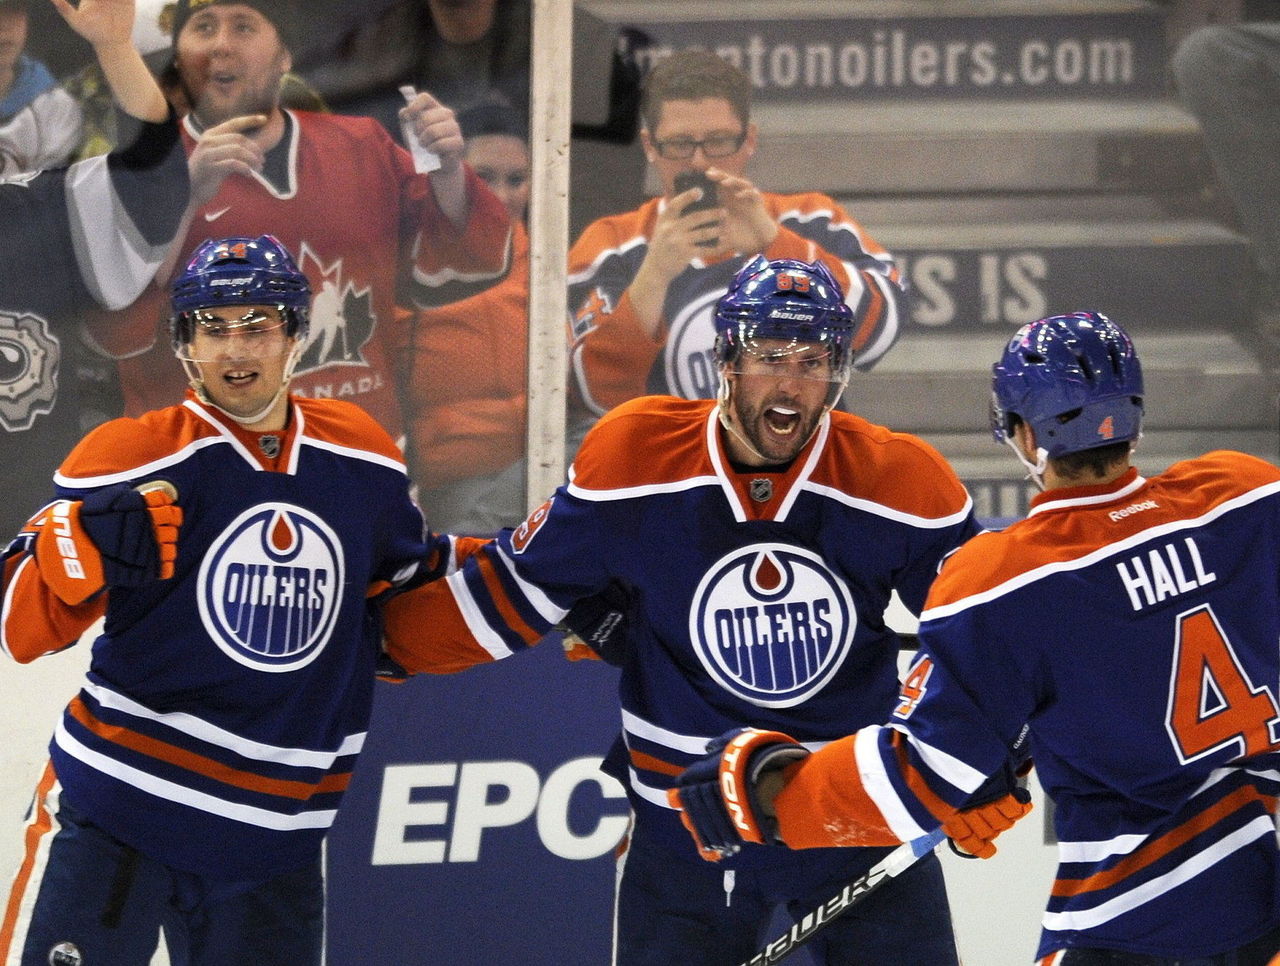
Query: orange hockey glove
973, 830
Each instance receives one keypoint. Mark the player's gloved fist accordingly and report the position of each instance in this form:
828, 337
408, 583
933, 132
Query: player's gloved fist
718, 795
973, 830
116, 537
596, 627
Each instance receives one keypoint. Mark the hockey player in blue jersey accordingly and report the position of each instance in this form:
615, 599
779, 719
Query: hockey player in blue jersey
1130, 625
193, 778
758, 538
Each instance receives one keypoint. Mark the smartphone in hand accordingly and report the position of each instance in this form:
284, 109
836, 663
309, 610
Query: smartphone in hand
697, 179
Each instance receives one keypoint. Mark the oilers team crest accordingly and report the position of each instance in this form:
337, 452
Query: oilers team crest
689, 357
269, 587
771, 624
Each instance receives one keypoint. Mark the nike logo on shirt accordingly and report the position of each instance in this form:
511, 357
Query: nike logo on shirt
215, 215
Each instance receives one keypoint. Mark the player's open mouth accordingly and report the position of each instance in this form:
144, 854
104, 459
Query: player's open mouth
239, 377
781, 420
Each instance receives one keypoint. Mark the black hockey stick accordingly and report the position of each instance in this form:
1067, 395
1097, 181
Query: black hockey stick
893, 864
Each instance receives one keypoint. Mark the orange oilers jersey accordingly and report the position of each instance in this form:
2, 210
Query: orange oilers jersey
1132, 628
613, 359
229, 703
758, 597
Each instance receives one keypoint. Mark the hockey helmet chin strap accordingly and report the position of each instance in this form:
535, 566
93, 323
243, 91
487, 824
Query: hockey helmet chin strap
722, 413
197, 383
1035, 471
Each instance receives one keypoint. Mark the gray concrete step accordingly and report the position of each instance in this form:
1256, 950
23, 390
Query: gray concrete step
1147, 273
882, 147
1205, 381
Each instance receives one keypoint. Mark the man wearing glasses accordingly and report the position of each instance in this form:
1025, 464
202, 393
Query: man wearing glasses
643, 285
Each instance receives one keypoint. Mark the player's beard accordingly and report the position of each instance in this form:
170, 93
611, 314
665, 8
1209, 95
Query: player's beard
750, 421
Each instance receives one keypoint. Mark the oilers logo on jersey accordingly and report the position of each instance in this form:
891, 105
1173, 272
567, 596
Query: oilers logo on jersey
689, 358
771, 624
29, 355
269, 587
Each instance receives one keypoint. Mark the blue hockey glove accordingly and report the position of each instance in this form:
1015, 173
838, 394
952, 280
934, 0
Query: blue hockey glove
596, 626
136, 534
718, 795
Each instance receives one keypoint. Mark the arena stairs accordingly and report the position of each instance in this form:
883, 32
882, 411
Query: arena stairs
1020, 158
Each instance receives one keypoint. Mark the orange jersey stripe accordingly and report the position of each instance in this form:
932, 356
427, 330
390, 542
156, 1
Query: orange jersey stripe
1162, 846
200, 765
36, 622
41, 824
650, 763
938, 808
510, 617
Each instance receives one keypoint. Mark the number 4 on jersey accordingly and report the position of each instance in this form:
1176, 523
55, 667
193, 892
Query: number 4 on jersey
1212, 702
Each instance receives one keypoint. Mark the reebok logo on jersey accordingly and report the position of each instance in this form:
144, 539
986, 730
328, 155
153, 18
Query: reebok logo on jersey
270, 586
1118, 515
771, 624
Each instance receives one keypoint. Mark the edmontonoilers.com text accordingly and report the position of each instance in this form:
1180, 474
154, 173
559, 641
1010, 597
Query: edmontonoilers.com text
439, 812
891, 59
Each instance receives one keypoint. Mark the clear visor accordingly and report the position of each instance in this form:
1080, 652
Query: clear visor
997, 419
254, 335
789, 360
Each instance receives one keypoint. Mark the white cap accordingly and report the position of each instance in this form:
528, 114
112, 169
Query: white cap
152, 26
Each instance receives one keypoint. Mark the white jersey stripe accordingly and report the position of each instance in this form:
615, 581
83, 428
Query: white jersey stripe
198, 728
180, 794
485, 635
875, 780
1157, 887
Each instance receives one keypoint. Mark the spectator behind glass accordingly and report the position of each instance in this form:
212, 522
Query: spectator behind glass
1228, 75
337, 191
466, 52
39, 122
467, 392
91, 234
642, 285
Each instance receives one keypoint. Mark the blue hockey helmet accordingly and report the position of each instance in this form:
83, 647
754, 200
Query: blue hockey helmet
792, 301
1075, 379
240, 271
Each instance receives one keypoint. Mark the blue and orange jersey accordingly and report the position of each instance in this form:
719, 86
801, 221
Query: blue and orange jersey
758, 598
1131, 629
614, 359
228, 704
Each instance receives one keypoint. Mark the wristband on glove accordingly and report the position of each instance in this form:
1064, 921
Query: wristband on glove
718, 795
595, 628
973, 830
